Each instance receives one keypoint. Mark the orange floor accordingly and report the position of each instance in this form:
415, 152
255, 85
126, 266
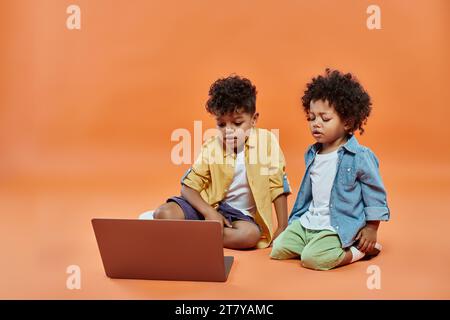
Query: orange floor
49, 229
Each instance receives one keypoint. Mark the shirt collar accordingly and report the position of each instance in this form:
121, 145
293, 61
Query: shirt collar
351, 145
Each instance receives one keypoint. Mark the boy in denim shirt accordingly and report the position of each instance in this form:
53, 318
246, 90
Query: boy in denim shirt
342, 199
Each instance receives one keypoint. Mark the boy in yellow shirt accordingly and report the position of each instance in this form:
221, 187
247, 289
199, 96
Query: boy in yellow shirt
239, 173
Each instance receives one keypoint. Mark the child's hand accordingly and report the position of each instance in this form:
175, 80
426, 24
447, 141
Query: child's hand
214, 215
367, 237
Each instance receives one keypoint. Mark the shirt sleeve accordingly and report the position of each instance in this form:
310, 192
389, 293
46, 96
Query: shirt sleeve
198, 176
278, 181
373, 191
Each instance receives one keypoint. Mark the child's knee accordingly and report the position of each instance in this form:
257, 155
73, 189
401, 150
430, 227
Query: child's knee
310, 260
279, 251
248, 243
276, 252
161, 213
252, 237
164, 212
318, 261
249, 238
242, 238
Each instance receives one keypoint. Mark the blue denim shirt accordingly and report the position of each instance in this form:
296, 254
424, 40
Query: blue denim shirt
357, 195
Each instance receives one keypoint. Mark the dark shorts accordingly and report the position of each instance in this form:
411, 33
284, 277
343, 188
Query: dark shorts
190, 213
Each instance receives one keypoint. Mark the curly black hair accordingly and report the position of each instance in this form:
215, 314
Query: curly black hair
230, 94
344, 93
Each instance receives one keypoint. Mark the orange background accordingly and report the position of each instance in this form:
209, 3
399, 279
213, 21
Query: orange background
86, 118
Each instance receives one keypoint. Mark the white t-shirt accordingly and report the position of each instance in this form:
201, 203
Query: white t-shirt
239, 195
323, 172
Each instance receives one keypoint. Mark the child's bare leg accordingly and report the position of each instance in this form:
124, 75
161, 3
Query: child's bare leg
243, 235
169, 210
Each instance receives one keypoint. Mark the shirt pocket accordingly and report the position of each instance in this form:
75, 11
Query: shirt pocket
347, 175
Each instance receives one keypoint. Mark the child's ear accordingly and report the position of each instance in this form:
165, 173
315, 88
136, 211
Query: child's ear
348, 126
255, 118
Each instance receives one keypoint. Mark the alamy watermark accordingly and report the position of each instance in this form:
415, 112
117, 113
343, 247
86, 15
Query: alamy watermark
73, 281
373, 21
73, 21
264, 148
374, 279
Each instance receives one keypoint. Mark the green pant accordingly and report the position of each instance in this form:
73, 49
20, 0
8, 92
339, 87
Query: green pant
318, 249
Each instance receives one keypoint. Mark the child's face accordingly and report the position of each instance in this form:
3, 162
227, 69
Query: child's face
325, 124
235, 128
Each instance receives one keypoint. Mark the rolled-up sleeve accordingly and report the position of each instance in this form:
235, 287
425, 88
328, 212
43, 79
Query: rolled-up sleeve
373, 191
198, 176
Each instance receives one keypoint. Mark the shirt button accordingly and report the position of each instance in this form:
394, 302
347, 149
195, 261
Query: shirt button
348, 169
331, 206
337, 227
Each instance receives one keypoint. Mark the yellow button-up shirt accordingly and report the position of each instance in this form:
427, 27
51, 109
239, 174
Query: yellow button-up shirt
213, 171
